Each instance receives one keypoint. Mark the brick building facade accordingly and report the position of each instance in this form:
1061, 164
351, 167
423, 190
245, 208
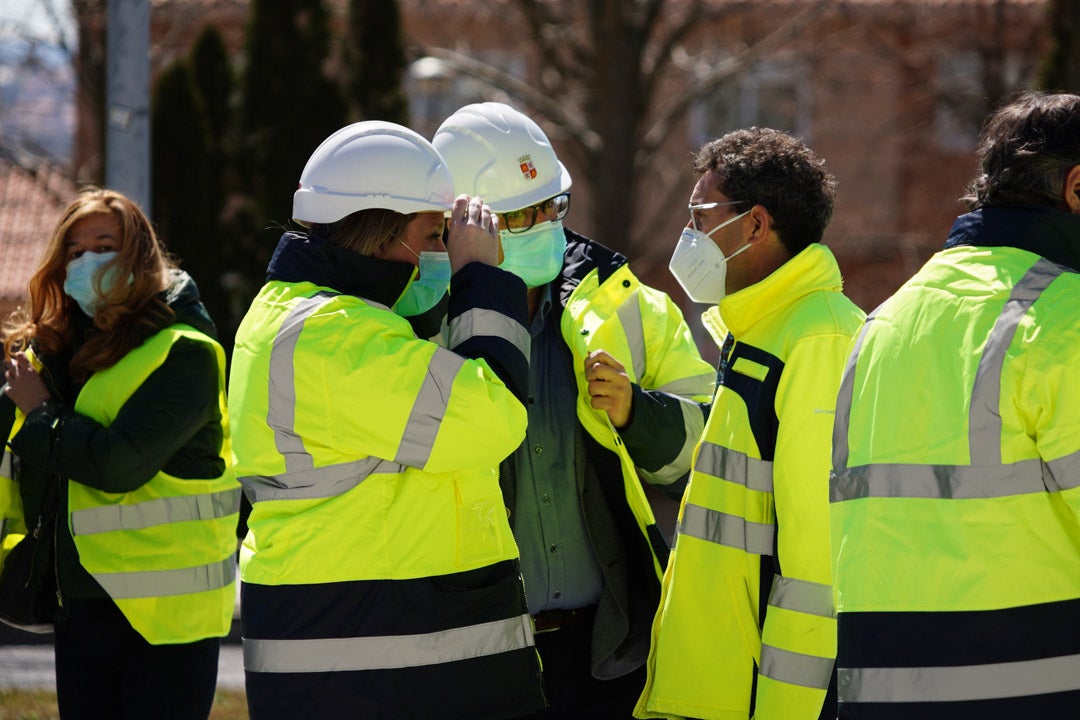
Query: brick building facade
890, 92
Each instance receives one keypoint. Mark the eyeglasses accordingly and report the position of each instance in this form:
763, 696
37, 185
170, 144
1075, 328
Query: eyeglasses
518, 221
706, 206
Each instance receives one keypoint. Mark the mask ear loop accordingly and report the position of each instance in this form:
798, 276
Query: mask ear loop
726, 223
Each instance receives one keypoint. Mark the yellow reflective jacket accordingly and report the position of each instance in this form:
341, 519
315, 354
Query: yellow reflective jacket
745, 626
956, 491
165, 552
644, 330
345, 419
605, 306
379, 550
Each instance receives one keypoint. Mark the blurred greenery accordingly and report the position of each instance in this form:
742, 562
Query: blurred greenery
230, 141
41, 705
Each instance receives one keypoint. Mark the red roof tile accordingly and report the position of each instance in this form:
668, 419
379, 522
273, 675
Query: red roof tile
31, 201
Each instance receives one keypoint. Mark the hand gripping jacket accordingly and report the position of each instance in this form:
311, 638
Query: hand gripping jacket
956, 490
164, 552
745, 626
380, 574
643, 329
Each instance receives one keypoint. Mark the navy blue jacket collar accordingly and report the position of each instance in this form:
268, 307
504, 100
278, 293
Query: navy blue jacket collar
1050, 233
303, 257
582, 255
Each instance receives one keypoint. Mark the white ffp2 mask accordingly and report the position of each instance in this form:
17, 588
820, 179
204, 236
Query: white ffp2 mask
700, 266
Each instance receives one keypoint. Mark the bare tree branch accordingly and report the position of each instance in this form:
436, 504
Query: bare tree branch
725, 70
539, 22
655, 66
550, 107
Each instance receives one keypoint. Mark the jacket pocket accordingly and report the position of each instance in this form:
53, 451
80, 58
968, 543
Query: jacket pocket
482, 527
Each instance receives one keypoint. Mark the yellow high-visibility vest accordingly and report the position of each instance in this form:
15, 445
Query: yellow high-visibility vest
165, 552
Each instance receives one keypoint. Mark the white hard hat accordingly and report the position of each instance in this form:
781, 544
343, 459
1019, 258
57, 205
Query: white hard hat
498, 153
372, 164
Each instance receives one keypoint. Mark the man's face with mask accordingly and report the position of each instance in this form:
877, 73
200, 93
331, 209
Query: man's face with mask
730, 239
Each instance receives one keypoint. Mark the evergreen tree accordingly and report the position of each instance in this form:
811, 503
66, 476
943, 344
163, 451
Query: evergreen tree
184, 209
288, 107
1061, 67
212, 78
375, 61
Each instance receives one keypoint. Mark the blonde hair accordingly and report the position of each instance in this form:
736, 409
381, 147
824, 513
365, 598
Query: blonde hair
366, 232
127, 311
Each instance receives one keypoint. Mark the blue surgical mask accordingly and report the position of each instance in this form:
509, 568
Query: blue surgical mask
428, 285
79, 282
536, 255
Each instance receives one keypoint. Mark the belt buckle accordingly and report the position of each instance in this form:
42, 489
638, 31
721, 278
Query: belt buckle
547, 621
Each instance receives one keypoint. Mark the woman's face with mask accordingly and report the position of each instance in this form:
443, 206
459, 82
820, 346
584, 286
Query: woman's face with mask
90, 245
424, 233
97, 233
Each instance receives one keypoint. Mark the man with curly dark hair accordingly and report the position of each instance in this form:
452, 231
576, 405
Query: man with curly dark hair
746, 626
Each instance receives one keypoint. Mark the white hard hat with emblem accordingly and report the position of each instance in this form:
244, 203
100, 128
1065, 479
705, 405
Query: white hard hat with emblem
500, 154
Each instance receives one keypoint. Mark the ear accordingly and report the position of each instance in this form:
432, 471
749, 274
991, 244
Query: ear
760, 224
1072, 190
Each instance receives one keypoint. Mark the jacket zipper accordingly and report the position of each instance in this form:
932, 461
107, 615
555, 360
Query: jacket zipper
33, 557
59, 481
56, 562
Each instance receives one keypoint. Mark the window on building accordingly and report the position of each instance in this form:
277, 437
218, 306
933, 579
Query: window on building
771, 93
960, 103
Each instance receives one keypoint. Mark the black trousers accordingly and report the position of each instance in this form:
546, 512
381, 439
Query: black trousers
572, 692
105, 670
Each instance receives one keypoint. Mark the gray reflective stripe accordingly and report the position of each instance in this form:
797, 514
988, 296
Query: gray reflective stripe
984, 418
985, 477
937, 481
693, 424
802, 596
321, 482
1063, 473
690, 387
842, 419
479, 322
388, 651
796, 668
728, 530
959, 683
161, 583
155, 512
5, 465
629, 314
428, 409
281, 413
734, 466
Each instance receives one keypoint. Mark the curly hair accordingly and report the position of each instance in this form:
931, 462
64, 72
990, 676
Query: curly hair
128, 311
762, 166
1026, 150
